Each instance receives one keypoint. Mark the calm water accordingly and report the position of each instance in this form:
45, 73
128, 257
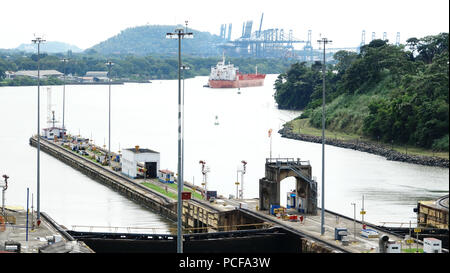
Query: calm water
146, 115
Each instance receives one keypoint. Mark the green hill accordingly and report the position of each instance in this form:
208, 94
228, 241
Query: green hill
151, 39
385, 92
49, 47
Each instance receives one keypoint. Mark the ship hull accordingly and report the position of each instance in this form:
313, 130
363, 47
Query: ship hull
246, 80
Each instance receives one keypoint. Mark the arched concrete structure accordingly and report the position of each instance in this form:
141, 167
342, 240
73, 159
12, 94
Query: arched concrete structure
278, 169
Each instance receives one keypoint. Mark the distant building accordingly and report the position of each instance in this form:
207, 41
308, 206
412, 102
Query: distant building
86, 79
9, 74
34, 74
97, 76
136, 158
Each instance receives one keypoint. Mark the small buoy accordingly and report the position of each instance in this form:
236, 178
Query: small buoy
217, 122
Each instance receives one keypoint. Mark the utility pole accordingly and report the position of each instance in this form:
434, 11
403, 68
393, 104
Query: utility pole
244, 163
179, 34
270, 139
183, 67
38, 41
354, 220
5, 187
363, 212
323, 41
109, 64
237, 184
64, 96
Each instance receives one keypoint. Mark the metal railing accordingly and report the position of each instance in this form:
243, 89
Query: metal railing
287, 160
161, 230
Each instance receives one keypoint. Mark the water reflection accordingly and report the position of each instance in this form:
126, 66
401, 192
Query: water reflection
146, 115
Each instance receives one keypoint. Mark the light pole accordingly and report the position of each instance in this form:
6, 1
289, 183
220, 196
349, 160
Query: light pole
270, 139
205, 171
5, 187
354, 220
38, 41
244, 163
64, 96
322, 228
183, 67
109, 64
179, 34
237, 184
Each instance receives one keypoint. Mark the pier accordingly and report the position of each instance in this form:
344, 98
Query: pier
197, 214
22, 236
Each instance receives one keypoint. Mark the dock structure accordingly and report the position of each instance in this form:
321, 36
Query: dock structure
21, 236
198, 214
342, 234
433, 213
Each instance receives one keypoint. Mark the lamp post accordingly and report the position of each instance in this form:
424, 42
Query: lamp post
179, 34
5, 187
109, 64
183, 67
38, 41
322, 228
244, 163
64, 96
237, 184
354, 220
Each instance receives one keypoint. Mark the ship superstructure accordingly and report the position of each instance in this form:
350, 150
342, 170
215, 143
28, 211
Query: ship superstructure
228, 76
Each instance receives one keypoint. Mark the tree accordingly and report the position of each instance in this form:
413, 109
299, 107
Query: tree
431, 46
345, 59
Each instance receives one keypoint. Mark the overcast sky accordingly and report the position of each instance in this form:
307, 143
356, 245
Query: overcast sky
85, 23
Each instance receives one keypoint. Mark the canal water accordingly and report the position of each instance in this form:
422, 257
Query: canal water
145, 114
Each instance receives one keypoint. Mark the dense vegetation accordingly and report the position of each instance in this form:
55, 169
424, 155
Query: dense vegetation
386, 92
146, 40
129, 67
138, 53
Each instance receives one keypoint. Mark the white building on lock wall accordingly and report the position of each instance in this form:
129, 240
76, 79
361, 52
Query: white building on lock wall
137, 158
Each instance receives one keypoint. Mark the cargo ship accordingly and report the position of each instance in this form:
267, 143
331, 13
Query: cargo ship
228, 76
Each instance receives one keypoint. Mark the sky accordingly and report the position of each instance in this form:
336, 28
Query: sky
85, 23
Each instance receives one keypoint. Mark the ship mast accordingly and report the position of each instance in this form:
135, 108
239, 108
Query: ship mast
223, 58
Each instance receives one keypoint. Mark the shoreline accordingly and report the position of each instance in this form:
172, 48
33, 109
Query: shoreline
370, 148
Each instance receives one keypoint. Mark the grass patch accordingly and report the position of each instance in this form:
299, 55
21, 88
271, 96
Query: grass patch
160, 190
302, 126
412, 250
194, 194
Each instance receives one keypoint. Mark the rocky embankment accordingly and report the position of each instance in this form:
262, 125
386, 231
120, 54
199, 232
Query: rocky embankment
372, 148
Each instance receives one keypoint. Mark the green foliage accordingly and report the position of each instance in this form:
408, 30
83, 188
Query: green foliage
27, 81
147, 40
300, 85
441, 144
385, 92
138, 67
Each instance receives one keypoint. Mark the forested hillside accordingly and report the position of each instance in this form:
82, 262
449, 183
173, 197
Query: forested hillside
151, 39
131, 67
390, 93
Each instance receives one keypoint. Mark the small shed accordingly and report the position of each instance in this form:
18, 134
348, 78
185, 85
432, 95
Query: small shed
51, 132
145, 158
166, 176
